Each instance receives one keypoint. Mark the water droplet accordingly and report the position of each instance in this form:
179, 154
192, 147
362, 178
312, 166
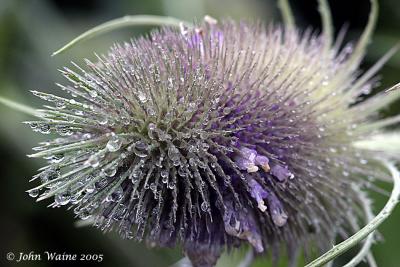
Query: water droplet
142, 97
363, 161
90, 189
151, 111
116, 195
204, 206
63, 130
141, 149
173, 154
110, 172
103, 121
153, 187
94, 161
227, 110
332, 149
171, 185
44, 128
78, 112
135, 195
49, 175
100, 184
93, 93
191, 107
33, 192
119, 212
60, 104
114, 144
164, 173
57, 158
345, 173
33, 125
62, 199
84, 215
152, 126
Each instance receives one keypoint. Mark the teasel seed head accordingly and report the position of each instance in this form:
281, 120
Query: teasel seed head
214, 137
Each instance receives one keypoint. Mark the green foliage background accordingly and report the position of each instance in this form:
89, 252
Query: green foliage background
31, 29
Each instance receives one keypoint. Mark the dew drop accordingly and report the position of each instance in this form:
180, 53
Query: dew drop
226, 110
141, 149
103, 121
204, 206
57, 158
164, 173
110, 172
90, 189
63, 130
62, 199
44, 128
84, 215
93, 93
114, 144
117, 194
33, 192
173, 153
171, 185
142, 97
101, 184
94, 161
153, 187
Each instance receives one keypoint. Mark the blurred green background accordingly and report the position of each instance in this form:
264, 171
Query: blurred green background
30, 30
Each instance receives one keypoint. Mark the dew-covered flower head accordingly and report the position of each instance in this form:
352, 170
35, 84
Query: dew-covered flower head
213, 137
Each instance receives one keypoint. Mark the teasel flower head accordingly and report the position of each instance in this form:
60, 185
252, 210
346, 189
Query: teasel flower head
213, 137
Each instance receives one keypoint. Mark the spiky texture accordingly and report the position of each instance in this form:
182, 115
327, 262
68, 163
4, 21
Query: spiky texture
214, 137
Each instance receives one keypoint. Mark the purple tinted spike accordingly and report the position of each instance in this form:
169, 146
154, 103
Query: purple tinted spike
246, 159
281, 173
242, 224
263, 162
278, 214
258, 193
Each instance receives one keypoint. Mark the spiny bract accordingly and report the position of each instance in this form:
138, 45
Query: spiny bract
213, 137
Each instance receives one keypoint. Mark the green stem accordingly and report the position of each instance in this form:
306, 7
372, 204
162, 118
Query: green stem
369, 228
327, 25
125, 21
365, 250
286, 12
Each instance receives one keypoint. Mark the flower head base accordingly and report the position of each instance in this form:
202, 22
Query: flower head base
228, 134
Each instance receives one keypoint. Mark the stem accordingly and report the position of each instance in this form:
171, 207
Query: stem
365, 250
19, 107
184, 262
327, 25
369, 228
365, 38
136, 20
286, 12
394, 87
248, 259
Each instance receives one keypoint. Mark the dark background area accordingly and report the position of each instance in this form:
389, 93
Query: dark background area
30, 30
